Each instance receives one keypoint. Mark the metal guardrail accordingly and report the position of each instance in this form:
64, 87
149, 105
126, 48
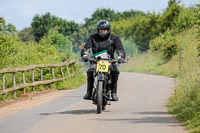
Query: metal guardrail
34, 83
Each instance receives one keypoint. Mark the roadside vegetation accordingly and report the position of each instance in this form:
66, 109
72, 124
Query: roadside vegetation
53, 48
184, 104
175, 53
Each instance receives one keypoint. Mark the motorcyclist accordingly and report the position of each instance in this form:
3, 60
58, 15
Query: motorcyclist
103, 40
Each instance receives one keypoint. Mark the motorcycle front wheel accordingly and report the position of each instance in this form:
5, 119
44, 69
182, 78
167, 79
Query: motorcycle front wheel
99, 96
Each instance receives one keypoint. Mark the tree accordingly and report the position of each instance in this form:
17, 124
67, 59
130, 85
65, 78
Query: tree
59, 41
132, 14
11, 29
101, 14
26, 35
143, 29
42, 24
171, 14
173, 2
2, 24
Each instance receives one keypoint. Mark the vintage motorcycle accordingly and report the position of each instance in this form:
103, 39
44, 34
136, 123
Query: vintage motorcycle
101, 95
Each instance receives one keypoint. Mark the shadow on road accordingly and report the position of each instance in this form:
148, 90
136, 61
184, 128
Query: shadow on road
147, 117
152, 113
74, 112
159, 120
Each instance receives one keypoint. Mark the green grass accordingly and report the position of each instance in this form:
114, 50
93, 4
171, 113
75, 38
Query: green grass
147, 62
184, 104
72, 83
188, 110
150, 63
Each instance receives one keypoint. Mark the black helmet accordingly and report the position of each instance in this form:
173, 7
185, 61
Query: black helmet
103, 24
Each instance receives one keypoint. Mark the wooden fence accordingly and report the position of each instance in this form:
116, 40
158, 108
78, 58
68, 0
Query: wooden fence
34, 83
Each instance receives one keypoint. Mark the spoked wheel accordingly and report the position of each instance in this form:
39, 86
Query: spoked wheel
99, 97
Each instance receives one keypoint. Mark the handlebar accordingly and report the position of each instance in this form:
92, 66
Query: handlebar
98, 59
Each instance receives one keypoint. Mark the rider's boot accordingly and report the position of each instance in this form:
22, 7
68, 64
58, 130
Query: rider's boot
114, 93
114, 97
88, 95
114, 87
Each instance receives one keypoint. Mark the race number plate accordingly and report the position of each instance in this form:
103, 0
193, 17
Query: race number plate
102, 66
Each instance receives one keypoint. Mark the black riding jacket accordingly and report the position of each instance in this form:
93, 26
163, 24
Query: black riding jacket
111, 43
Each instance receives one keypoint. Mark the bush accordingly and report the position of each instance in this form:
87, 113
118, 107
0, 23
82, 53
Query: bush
165, 43
8, 49
170, 48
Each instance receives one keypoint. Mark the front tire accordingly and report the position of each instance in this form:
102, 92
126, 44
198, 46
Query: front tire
99, 96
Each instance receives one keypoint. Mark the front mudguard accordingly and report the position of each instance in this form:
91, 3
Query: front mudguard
101, 78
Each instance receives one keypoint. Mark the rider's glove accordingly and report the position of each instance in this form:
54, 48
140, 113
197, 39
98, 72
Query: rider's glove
121, 60
85, 58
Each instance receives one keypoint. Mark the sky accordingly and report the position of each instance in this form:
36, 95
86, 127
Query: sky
21, 12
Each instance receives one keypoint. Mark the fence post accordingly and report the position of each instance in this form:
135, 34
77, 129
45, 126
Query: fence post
23, 80
3, 86
68, 71
23, 77
61, 71
14, 84
41, 74
52, 71
3, 81
41, 78
33, 79
53, 76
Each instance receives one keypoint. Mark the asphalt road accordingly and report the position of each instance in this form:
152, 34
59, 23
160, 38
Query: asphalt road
141, 109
